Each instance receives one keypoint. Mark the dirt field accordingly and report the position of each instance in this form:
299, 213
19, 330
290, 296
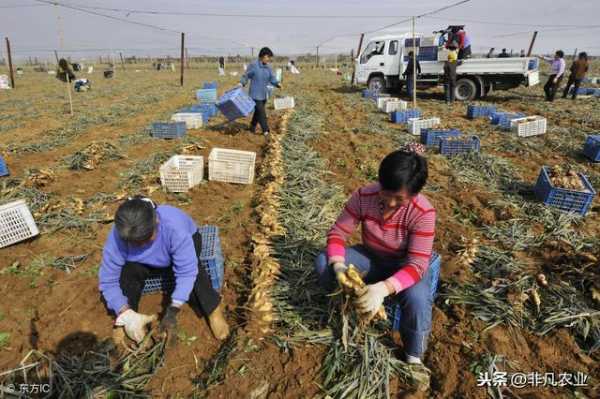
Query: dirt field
484, 316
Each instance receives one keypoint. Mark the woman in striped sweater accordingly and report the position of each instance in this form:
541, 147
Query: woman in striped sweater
398, 227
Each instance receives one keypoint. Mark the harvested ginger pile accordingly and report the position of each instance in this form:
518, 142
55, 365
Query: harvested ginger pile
565, 177
354, 285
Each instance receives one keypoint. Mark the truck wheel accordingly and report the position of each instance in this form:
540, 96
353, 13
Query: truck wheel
376, 83
466, 90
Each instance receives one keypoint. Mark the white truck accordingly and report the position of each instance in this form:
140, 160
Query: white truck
384, 59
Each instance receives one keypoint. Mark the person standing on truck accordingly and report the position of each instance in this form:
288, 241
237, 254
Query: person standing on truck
464, 44
450, 77
408, 73
557, 71
578, 70
503, 54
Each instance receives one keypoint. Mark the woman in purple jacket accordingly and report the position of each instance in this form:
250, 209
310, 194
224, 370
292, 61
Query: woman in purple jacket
148, 241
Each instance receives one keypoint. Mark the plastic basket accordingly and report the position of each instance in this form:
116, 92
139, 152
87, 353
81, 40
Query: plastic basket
404, 116
3, 168
209, 85
370, 94
416, 124
451, 146
235, 104
206, 110
231, 166
211, 258
431, 137
16, 223
480, 111
591, 149
168, 130
395, 105
529, 126
499, 118
394, 310
381, 101
192, 120
562, 198
206, 96
182, 172
284, 103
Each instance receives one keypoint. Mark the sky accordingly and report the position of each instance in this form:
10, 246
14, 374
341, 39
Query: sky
35, 29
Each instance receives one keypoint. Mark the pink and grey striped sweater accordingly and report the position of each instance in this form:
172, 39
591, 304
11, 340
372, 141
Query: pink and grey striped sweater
406, 235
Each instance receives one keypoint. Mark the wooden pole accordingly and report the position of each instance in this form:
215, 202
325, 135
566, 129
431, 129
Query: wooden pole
532, 43
10, 65
414, 77
182, 57
122, 63
69, 92
317, 57
360, 42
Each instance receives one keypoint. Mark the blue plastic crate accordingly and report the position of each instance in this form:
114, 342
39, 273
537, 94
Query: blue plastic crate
498, 118
591, 149
209, 85
533, 64
449, 147
425, 54
393, 309
561, 198
404, 116
235, 104
480, 111
211, 258
3, 167
207, 110
168, 130
431, 137
206, 96
370, 94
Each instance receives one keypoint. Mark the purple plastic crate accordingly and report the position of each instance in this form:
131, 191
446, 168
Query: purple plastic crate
168, 130
235, 104
404, 116
562, 198
591, 149
431, 137
450, 147
3, 167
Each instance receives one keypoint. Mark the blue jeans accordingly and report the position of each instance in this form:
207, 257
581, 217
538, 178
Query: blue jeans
416, 302
409, 85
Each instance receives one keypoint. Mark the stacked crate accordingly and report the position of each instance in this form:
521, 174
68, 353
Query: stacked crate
416, 124
395, 105
404, 116
235, 104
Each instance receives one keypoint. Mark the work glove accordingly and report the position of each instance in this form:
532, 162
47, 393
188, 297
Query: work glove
372, 298
134, 324
168, 324
339, 268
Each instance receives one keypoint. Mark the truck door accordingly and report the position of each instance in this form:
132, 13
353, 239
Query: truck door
392, 62
372, 59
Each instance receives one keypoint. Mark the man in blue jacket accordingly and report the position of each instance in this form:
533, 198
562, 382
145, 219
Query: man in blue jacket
148, 241
260, 74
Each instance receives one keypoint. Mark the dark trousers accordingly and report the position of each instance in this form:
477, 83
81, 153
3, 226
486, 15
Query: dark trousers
449, 87
409, 85
464, 53
260, 116
550, 88
203, 298
572, 81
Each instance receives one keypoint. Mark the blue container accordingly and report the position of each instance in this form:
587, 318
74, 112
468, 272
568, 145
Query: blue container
591, 149
207, 110
211, 258
206, 96
409, 42
209, 85
370, 94
404, 116
562, 198
466, 144
3, 167
235, 104
503, 119
480, 111
533, 64
431, 137
394, 311
168, 130
425, 54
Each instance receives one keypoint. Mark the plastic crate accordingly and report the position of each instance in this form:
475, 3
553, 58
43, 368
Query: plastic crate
370, 94
431, 137
211, 258
168, 130
480, 111
182, 172
206, 110
451, 146
206, 96
231, 166
404, 116
533, 64
416, 124
235, 104
192, 120
562, 198
394, 310
395, 105
3, 168
503, 118
591, 148
16, 223
284, 103
529, 126
209, 85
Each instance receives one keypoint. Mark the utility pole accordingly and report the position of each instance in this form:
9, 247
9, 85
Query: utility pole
360, 42
10, 65
531, 44
182, 57
414, 77
317, 58
122, 63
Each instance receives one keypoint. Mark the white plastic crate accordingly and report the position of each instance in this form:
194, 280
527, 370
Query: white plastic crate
416, 124
231, 166
529, 126
382, 100
192, 120
395, 105
284, 103
182, 172
16, 223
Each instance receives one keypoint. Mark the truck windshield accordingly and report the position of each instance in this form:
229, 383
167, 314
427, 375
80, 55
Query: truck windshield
373, 48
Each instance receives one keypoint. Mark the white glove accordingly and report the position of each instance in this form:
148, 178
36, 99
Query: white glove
372, 299
339, 268
134, 324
